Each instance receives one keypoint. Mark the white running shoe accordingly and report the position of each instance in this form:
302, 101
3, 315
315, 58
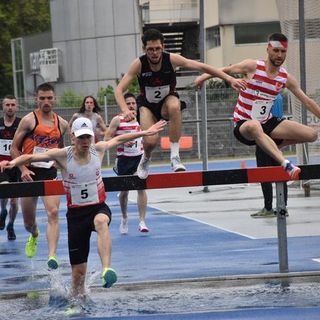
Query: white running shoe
124, 226
143, 227
176, 164
143, 168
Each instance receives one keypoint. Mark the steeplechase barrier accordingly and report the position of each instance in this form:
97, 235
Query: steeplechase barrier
185, 179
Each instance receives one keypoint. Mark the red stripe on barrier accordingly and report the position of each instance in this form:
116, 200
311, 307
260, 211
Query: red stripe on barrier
53, 187
175, 180
267, 174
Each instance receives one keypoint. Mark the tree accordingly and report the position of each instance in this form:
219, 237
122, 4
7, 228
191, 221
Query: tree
19, 18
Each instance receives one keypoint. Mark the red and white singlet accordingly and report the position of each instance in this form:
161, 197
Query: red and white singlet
255, 102
130, 148
83, 183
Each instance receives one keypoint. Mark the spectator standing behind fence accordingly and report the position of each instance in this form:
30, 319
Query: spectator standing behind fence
38, 132
128, 157
264, 160
8, 126
158, 97
90, 109
254, 124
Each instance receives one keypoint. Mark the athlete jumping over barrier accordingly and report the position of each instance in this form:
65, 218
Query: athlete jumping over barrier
254, 123
80, 166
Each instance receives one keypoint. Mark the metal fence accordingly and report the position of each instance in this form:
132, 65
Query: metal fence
221, 142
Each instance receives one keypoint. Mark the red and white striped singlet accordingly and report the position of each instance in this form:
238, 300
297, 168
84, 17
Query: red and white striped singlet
256, 100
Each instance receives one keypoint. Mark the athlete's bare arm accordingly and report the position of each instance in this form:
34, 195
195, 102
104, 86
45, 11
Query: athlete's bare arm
101, 125
74, 117
123, 85
180, 61
111, 131
245, 67
101, 146
56, 154
64, 126
293, 85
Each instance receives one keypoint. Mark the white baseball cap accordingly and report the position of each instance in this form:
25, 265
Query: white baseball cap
82, 126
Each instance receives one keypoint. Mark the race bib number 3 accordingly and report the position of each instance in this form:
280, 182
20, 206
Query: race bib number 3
156, 94
84, 193
133, 147
261, 109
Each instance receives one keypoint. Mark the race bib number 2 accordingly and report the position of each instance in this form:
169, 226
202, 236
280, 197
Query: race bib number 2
156, 94
261, 109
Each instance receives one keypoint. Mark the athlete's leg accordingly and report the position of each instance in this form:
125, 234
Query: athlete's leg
51, 204
123, 200
171, 110
142, 204
3, 214
293, 132
103, 240
147, 119
13, 210
78, 279
252, 130
28, 208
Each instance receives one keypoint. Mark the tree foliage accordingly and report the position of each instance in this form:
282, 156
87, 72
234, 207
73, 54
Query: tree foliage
19, 18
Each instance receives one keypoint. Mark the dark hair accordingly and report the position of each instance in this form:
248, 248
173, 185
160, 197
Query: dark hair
10, 96
44, 87
151, 35
129, 95
277, 37
96, 108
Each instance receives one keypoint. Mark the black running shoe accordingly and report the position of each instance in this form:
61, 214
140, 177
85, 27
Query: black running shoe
11, 234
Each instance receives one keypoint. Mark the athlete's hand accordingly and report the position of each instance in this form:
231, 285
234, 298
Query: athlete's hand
157, 127
238, 84
5, 164
129, 115
26, 175
198, 82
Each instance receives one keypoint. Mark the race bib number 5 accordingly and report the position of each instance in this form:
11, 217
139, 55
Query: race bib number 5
261, 109
84, 193
156, 94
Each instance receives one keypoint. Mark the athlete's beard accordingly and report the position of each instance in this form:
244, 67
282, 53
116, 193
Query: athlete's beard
274, 63
155, 63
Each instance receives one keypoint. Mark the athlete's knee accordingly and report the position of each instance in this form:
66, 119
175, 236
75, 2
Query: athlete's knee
101, 221
253, 127
53, 214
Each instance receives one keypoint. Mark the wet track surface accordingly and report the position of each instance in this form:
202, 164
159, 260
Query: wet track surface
190, 266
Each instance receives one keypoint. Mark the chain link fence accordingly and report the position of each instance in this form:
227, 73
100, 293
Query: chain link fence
221, 142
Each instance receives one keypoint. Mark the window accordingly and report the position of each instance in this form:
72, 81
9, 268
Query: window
213, 37
18, 68
254, 32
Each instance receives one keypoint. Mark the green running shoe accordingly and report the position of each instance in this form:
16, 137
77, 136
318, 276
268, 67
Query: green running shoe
53, 263
264, 213
31, 246
109, 277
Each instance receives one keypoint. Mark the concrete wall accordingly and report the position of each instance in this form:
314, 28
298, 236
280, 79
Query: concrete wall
98, 40
226, 13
